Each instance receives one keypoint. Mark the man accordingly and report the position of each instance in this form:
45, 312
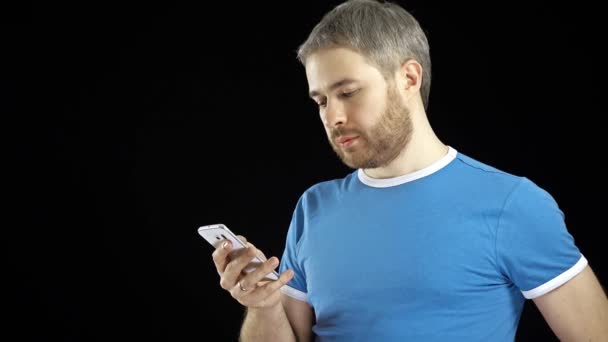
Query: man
420, 242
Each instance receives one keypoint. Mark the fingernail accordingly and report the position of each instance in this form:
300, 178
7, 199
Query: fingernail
274, 261
226, 244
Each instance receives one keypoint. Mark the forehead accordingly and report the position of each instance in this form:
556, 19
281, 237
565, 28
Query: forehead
327, 66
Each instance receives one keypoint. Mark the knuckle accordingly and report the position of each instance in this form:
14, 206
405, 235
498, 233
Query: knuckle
216, 256
219, 254
265, 290
229, 267
234, 267
266, 270
236, 296
272, 287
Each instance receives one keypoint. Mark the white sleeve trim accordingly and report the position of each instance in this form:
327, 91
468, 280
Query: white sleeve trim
557, 281
297, 294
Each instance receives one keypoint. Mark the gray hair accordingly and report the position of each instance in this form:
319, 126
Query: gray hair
383, 32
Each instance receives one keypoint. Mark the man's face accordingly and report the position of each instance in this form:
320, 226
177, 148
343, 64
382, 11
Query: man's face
364, 116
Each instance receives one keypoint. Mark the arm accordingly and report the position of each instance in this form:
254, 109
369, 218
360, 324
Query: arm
267, 324
577, 310
266, 320
301, 317
291, 321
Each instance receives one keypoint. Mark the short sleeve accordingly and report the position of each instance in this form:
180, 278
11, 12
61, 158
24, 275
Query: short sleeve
296, 287
533, 246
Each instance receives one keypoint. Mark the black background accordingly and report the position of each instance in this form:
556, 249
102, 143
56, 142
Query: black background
130, 125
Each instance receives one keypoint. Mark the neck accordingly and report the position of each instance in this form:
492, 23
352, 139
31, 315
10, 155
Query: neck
423, 149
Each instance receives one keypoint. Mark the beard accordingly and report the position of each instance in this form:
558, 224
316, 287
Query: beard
381, 144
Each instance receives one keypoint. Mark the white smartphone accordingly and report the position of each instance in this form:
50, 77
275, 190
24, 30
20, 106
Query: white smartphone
216, 234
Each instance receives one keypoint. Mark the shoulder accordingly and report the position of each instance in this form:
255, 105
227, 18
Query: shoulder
483, 178
485, 181
477, 167
326, 191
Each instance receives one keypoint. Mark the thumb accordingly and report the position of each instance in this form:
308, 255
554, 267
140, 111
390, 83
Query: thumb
242, 238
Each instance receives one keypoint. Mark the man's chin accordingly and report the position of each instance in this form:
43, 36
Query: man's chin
355, 162
357, 158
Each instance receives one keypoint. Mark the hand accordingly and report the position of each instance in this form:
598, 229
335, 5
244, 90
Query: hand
253, 289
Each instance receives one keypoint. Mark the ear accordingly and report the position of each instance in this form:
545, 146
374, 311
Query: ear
410, 77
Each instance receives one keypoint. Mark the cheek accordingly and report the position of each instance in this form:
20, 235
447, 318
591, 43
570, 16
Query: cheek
322, 117
370, 107
367, 117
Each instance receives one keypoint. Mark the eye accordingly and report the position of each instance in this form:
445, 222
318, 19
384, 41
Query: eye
349, 93
321, 103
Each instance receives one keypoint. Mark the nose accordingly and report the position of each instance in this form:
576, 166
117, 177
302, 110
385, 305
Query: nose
334, 114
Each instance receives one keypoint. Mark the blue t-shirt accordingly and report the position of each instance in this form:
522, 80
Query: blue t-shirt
447, 253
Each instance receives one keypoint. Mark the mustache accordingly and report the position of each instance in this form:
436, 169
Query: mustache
338, 132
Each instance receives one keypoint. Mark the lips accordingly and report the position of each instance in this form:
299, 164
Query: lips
345, 139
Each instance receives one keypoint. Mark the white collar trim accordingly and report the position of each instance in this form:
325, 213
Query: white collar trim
388, 182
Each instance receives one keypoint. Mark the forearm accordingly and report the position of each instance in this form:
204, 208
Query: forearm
267, 325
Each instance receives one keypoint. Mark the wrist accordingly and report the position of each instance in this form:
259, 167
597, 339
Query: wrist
273, 310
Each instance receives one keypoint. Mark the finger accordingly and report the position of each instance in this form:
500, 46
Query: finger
272, 286
250, 280
235, 267
242, 238
260, 254
220, 256
234, 254
268, 289
239, 290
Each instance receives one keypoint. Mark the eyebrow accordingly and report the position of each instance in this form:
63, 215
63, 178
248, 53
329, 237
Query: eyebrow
335, 85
